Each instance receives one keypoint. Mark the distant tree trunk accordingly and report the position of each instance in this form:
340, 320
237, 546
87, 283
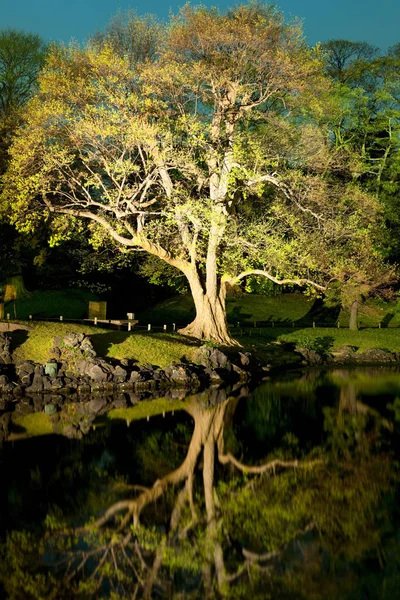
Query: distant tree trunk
353, 316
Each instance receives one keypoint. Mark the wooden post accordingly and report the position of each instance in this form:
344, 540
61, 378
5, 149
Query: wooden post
8, 316
173, 326
164, 327
129, 326
149, 327
95, 321
61, 317
30, 317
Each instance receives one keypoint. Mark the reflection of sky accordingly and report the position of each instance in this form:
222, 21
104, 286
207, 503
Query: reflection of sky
358, 20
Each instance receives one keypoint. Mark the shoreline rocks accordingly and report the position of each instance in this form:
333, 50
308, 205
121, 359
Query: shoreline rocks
73, 369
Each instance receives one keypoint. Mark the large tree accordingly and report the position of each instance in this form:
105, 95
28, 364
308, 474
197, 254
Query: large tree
210, 155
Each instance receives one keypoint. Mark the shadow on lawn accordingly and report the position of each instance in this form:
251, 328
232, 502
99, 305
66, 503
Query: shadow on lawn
18, 337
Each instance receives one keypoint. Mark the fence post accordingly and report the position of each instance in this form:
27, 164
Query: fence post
8, 316
164, 327
338, 325
313, 324
149, 327
173, 326
61, 317
30, 317
95, 321
129, 326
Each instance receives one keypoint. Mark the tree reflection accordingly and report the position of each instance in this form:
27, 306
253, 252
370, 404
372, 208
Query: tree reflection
215, 526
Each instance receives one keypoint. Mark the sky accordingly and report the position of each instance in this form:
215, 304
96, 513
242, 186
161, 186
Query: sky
376, 22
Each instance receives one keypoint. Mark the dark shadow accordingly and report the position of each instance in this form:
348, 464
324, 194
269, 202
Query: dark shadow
18, 337
320, 314
388, 317
236, 315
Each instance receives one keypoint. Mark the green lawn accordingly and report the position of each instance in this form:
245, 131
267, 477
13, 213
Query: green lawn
244, 309
155, 348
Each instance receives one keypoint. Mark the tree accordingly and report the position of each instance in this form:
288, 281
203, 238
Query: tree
210, 157
21, 57
341, 55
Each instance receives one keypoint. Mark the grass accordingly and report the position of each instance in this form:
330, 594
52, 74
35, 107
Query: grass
282, 310
162, 349
71, 304
154, 348
330, 338
244, 309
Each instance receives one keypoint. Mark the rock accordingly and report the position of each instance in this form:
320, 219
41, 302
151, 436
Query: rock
180, 374
376, 355
37, 384
137, 376
97, 373
96, 405
310, 356
120, 374
344, 354
213, 376
211, 357
3, 380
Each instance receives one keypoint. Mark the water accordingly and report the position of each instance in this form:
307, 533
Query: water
287, 491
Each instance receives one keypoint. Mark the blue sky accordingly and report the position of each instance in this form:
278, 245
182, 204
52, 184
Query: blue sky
373, 21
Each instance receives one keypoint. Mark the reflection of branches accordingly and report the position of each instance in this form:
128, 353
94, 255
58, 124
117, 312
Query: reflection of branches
144, 558
269, 466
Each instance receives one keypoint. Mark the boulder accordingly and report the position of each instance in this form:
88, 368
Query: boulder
180, 374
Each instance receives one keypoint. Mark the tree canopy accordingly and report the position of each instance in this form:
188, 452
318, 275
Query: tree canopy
212, 154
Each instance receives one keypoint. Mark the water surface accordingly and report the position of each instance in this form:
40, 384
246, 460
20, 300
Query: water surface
286, 491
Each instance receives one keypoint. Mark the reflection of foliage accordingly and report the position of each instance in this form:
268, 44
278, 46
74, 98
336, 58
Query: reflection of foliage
258, 532
395, 407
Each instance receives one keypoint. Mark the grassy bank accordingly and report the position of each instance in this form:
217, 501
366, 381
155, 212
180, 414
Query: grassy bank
155, 348
162, 349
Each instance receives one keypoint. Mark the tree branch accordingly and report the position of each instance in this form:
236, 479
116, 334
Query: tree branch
278, 281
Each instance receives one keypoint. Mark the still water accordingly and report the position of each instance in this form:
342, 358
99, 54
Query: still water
286, 491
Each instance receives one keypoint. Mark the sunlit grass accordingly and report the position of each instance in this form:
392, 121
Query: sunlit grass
154, 348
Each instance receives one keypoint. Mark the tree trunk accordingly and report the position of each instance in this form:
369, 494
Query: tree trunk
210, 322
353, 316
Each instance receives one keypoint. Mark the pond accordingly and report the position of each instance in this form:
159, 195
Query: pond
289, 490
